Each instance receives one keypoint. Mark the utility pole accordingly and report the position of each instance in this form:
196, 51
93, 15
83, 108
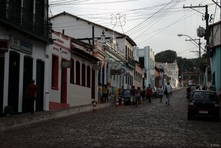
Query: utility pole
206, 37
199, 59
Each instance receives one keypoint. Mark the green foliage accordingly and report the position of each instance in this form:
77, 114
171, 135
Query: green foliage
166, 56
184, 64
8, 109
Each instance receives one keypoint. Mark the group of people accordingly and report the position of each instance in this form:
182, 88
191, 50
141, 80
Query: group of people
136, 95
103, 92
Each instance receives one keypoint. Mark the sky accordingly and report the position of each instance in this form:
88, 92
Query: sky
154, 23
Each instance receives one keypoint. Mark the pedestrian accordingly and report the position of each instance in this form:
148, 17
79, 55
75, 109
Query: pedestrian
204, 87
160, 93
213, 87
132, 96
100, 92
31, 94
219, 94
149, 93
197, 87
116, 93
168, 92
105, 93
121, 94
138, 96
143, 94
109, 92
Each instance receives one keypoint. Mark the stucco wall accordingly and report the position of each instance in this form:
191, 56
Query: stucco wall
38, 53
216, 68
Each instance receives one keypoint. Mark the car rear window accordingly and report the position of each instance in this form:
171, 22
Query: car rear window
204, 96
192, 88
127, 92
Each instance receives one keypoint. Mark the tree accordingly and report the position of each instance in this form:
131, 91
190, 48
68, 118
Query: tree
184, 64
166, 56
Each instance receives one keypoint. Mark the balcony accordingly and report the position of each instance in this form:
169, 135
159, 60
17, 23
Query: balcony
15, 17
131, 62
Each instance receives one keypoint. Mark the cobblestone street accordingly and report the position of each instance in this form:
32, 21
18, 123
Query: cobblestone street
151, 125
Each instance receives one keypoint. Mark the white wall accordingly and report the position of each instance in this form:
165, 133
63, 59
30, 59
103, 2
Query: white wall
38, 52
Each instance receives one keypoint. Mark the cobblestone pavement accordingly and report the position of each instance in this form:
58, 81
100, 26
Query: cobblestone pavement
151, 125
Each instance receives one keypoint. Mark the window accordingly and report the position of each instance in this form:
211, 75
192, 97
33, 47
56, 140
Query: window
141, 60
88, 76
78, 80
83, 75
54, 80
72, 72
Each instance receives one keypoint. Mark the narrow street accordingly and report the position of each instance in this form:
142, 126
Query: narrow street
151, 125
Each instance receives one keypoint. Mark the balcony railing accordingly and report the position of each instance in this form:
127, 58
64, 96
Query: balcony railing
131, 61
11, 13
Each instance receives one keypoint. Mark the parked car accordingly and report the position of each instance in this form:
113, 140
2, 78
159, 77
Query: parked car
126, 95
204, 103
155, 92
189, 90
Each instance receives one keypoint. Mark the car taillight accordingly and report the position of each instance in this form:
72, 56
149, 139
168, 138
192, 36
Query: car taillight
191, 105
217, 106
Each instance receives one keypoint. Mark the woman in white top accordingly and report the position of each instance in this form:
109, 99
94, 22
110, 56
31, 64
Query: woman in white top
168, 89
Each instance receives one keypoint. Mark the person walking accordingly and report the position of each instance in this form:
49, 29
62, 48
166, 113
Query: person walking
213, 87
138, 96
116, 93
105, 93
132, 96
100, 92
31, 93
121, 94
219, 94
160, 93
149, 93
168, 92
143, 94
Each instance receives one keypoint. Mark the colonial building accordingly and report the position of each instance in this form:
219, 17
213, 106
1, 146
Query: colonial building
170, 73
138, 75
24, 37
118, 48
72, 77
146, 57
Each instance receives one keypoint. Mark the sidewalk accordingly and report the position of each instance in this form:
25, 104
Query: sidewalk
23, 119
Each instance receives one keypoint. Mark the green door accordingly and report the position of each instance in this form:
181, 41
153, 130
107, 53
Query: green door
40, 84
2, 62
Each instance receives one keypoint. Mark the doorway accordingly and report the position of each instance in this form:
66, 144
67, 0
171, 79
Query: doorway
93, 85
40, 84
2, 67
27, 77
13, 83
64, 85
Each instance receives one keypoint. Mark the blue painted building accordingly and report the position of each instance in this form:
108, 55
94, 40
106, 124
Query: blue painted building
215, 46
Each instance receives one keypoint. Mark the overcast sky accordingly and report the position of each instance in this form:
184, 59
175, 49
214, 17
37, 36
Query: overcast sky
153, 23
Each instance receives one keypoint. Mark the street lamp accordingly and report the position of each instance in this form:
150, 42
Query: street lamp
194, 40
199, 44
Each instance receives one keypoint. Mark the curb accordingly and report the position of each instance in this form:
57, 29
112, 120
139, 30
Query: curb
24, 119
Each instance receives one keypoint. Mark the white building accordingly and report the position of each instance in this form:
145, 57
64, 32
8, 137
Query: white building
23, 42
147, 58
71, 77
118, 46
171, 73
